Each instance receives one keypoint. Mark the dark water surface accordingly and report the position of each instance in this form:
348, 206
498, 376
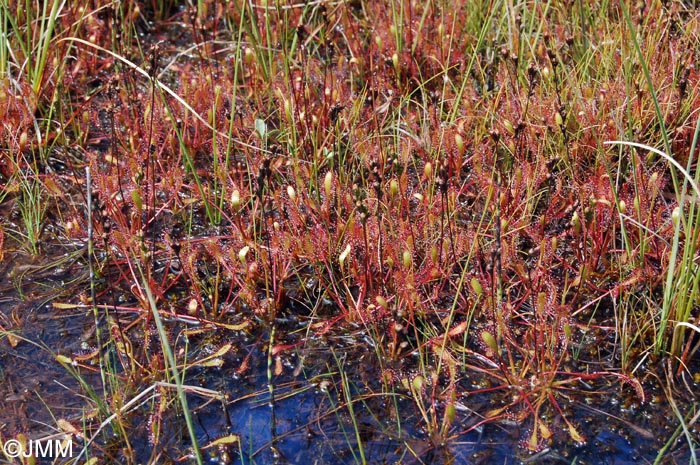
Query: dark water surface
307, 419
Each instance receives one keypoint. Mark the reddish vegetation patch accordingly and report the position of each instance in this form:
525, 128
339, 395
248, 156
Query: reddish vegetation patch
437, 174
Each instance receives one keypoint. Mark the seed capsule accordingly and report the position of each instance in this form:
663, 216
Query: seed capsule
490, 341
235, 199
23, 141
476, 285
407, 259
459, 142
136, 197
418, 382
242, 254
509, 127
676, 216
576, 222
393, 188
248, 56
287, 108
328, 183
344, 255
450, 413
622, 206
559, 120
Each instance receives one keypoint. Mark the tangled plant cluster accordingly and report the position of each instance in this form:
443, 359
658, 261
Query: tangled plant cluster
436, 172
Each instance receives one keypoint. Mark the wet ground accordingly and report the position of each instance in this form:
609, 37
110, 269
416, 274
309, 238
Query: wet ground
320, 399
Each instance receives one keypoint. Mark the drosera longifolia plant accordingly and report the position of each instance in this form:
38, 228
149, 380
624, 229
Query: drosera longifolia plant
30, 43
681, 283
30, 69
439, 186
96, 401
680, 278
34, 61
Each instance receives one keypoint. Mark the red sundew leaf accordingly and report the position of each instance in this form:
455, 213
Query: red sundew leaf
237, 327
67, 427
214, 359
53, 187
490, 341
153, 429
278, 366
63, 360
496, 413
533, 443
223, 441
86, 354
637, 387
625, 379
282, 347
575, 435
244, 365
459, 329
65, 306
13, 340
211, 363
